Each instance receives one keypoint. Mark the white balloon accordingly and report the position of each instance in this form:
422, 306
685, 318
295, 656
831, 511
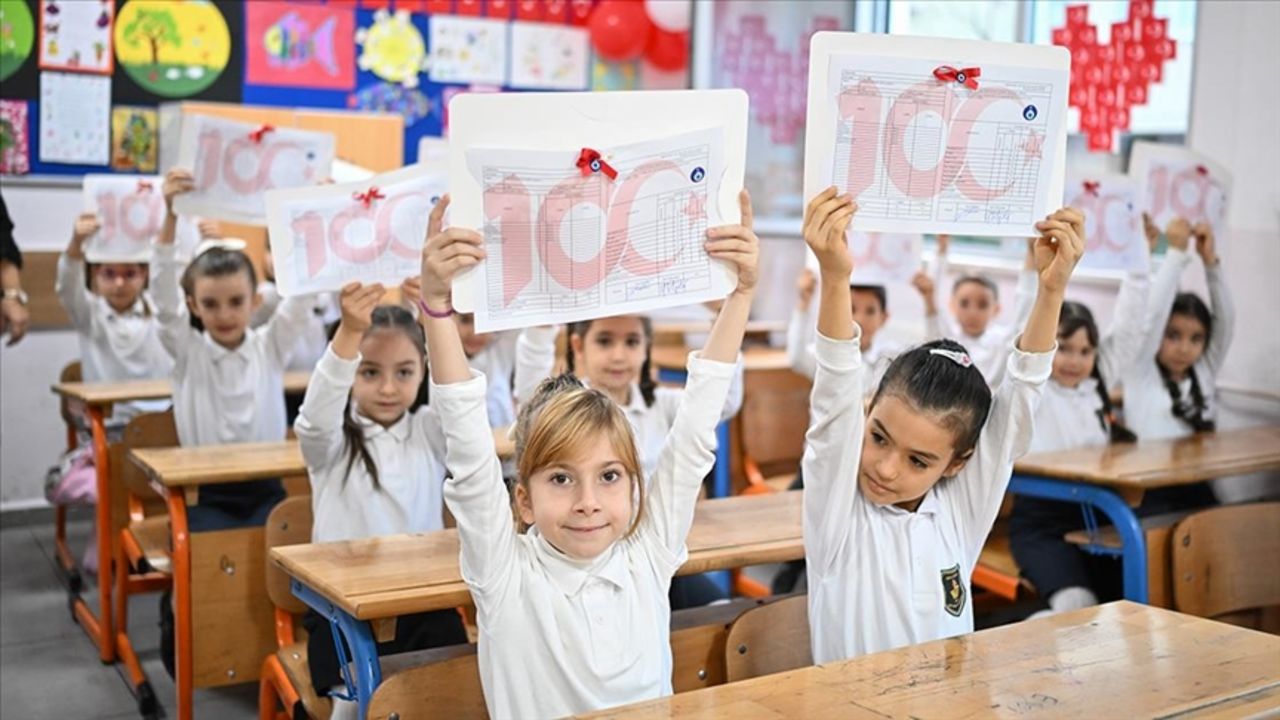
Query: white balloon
669, 15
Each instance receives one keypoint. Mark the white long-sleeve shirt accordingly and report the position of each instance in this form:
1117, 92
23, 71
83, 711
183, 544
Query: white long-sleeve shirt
881, 577
498, 362
559, 636
989, 350
114, 346
409, 456
220, 395
1070, 417
802, 334
1148, 408
313, 341
535, 356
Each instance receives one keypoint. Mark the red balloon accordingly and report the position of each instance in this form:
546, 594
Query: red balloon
668, 50
620, 29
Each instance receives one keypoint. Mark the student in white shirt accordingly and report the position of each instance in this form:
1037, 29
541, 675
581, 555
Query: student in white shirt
898, 504
1076, 411
573, 613
228, 378
974, 305
375, 456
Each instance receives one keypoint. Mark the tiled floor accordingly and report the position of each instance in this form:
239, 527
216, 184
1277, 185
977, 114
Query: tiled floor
49, 668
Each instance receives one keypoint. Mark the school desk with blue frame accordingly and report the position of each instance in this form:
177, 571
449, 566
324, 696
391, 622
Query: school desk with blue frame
1113, 478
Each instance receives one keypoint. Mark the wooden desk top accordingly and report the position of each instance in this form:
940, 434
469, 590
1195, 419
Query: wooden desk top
1119, 660
402, 574
675, 357
754, 327
215, 464
114, 392
1152, 464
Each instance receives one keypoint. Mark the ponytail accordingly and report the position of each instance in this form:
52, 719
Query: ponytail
1107, 416
1190, 412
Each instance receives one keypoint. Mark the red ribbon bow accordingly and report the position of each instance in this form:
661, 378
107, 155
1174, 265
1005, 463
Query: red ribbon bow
144, 186
965, 76
368, 196
590, 161
1091, 187
1204, 171
256, 135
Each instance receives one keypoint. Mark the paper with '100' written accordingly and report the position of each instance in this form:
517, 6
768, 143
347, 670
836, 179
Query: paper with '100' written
563, 246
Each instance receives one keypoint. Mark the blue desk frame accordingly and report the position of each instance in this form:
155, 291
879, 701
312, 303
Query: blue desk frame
1133, 543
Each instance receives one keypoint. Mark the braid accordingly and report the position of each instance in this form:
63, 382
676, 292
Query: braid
1107, 416
356, 448
647, 383
1192, 413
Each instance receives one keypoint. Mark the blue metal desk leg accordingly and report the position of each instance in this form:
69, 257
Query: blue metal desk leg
1133, 541
359, 638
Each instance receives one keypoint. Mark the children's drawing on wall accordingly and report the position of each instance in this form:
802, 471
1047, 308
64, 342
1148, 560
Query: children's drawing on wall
135, 138
392, 48
17, 36
623, 75
548, 57
75, 118
76, 35
172, 49
300, 45
14, 150
468, 50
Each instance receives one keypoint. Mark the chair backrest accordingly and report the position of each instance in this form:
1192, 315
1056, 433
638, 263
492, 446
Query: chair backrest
444, 689
774, 418
1223, 559
769, 639
148, 430
71, 373
288, 524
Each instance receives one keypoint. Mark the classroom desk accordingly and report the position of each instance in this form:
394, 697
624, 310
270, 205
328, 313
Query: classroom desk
673, 332
1120, 660
97, 399
359, 582
1113, 478
176, 474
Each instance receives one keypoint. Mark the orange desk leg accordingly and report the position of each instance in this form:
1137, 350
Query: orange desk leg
99, 628
183, 667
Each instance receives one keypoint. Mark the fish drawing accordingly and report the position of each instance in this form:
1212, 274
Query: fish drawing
292, 43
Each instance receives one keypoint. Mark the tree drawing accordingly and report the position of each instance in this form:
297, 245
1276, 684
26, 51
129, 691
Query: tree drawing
157, 27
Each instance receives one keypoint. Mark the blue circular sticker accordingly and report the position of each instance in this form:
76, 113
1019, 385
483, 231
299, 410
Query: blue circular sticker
961, 77
697, 174
435, 199
1029, 112
595, 166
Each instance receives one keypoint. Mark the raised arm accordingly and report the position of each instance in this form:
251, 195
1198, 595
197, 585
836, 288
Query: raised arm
1164, 287
70, 284
171, 308
801, 330
1224, 310
1122, 343
535, 360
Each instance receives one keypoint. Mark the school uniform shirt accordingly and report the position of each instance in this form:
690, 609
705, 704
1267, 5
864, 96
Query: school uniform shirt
989, 350
114, 346
313, 341
881, 577
651, 423
497, 361
223, 395
409, 457
1071, 417
801, 334
560, 636
1148, 408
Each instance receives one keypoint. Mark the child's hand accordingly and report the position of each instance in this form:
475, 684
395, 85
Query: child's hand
176, 182
1179, 234
357, 302
411, 290
805, 285
447, 251
825, 221
739, 245
86, 225
1059, 248
944, 242
923, 284
1151, 231
209, 230
1206, 245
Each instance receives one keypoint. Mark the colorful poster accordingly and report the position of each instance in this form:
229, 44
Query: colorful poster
76, 35
1112, 221
615, 76
234, 163
327, 236
75, 118
130, 210
1176, 182
135, 138
392, 48
293, 45
15, 151
468, 50
172, 49
549, 57
17, 36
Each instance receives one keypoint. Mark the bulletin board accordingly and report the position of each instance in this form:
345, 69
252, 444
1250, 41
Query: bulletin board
81, 81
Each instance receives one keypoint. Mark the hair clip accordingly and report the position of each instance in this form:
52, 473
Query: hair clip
228, 244
958, 357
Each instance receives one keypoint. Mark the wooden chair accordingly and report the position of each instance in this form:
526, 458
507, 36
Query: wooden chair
286, 679
996, 571
70, 373
1224, 564
769, 639
142, 553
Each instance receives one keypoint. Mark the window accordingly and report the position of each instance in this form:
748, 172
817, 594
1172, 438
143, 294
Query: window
996, 20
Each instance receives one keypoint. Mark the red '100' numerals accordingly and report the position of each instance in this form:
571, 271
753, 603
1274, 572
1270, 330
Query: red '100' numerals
319, 237
117, 215
215, 162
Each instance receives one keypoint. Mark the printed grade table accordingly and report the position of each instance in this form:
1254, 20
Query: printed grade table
356, 583
1113, 478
